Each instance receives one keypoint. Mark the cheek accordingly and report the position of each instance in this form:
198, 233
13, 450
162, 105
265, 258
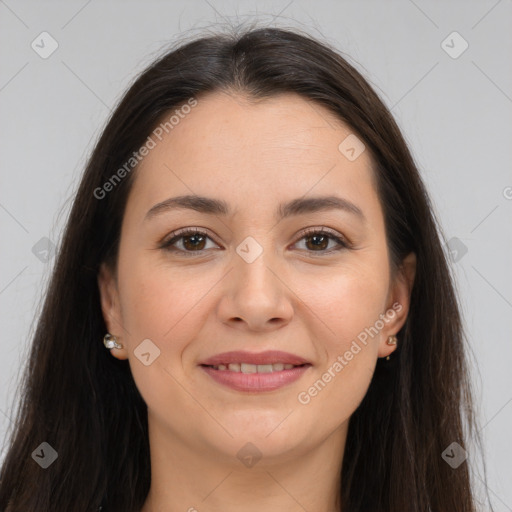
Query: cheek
155, 299
346, 307
345, 302
159, 305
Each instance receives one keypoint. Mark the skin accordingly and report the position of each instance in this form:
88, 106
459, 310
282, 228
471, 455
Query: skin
294, 297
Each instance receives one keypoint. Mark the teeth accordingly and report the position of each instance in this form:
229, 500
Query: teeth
248, 368
254, 368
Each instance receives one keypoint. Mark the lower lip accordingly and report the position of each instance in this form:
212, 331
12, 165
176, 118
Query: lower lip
256, 381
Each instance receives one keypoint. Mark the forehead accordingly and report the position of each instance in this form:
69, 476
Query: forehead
229, 144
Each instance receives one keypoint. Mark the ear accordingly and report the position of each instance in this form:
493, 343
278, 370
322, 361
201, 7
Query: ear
398, 302
110, 307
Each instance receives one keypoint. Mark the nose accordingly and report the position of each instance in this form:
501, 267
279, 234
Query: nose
255, 297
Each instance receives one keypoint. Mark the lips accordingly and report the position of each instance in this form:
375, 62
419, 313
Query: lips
255, 372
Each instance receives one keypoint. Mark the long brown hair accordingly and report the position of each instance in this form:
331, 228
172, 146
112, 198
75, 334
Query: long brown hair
84, 403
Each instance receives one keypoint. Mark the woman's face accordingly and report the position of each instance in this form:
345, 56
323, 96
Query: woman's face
253, 280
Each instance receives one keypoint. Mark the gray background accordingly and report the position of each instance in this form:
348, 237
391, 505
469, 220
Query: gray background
454, 112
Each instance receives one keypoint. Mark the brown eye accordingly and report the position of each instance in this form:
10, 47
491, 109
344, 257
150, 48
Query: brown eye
192, 242
318, 240
187, 242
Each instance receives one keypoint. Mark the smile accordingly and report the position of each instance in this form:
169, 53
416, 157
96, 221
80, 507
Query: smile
254, 368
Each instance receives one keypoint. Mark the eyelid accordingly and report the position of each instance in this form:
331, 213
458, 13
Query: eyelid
325, 230
342, 241
188, 231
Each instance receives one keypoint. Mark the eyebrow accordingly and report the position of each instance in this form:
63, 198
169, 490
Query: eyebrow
297, 206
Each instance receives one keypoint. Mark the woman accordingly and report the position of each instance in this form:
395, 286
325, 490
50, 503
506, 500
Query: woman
251, 308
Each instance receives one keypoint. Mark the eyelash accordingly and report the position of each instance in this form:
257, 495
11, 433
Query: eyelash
183, 233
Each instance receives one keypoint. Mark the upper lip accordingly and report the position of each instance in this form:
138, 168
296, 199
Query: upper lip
267, 357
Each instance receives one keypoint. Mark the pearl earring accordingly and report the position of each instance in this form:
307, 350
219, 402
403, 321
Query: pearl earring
110, 341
